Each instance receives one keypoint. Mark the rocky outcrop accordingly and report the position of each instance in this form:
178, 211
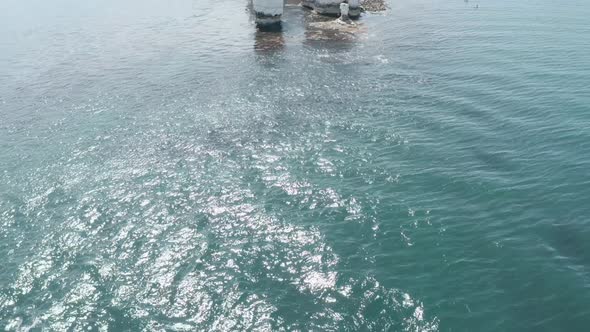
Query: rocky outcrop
332, 7
374, 5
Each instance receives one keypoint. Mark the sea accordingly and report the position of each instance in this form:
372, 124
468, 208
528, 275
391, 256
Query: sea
167, 166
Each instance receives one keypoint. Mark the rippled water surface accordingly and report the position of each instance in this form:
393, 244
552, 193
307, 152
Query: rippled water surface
165, 166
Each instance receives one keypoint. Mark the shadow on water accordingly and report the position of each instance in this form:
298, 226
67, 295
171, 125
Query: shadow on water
269, 39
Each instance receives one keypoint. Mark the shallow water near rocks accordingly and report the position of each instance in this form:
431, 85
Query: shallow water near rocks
166, 166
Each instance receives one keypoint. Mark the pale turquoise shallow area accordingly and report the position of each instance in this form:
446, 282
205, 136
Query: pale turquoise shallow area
163, 166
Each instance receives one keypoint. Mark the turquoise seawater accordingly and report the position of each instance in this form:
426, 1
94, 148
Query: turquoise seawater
166, 167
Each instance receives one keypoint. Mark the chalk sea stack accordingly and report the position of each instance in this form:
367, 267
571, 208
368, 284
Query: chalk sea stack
268, 12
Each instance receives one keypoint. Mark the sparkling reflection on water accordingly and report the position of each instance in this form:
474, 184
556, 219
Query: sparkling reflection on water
167, 166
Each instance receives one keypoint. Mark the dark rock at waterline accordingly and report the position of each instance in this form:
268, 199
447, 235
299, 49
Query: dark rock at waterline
374, 5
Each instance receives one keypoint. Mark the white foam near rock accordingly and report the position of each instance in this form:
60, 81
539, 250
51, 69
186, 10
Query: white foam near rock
268, 12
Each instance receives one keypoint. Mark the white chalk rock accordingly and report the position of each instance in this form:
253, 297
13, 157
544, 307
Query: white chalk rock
327, 7
344, 11
354, 8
